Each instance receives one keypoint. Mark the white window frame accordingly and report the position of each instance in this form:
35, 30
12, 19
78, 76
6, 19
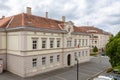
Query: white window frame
52, 43
34, 62
43, 60
44, 41
58, 58
34, 43
58, 43
69, 43
75, 42
51, 59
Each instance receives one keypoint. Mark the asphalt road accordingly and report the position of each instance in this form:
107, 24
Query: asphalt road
86, 70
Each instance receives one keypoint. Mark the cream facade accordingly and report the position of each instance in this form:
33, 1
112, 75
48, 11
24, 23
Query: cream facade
27, 52
99, 40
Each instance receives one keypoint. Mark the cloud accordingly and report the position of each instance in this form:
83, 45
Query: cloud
104, 14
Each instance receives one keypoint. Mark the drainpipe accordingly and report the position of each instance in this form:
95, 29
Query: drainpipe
6, 47
63, 49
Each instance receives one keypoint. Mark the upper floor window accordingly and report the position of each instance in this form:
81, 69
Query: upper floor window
75, 42
51, 59
34, 43
34, 62
68, 43
44, 43
43, 60
86, 42
79, 42
51, 43
82, 42
58, 43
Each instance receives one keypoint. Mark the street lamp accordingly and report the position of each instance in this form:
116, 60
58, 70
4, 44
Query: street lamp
77, 68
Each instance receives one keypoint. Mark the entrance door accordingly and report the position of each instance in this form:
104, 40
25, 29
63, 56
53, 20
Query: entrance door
69, 59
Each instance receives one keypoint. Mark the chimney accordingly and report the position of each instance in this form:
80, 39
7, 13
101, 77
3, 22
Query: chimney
46, 14
28, 10
63, 18
3, 17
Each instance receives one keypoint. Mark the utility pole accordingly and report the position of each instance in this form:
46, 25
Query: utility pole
77, 68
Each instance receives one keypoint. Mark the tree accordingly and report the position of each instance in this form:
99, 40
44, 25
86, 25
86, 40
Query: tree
95, 49
113, 50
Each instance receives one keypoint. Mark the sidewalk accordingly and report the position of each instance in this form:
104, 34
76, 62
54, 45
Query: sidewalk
86, 70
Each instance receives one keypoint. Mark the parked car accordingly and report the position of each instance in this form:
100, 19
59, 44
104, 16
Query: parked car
103, 78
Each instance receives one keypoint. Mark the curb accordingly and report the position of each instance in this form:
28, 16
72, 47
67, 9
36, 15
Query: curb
95, 75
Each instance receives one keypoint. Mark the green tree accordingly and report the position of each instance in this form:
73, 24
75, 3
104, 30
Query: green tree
113, 50
95, 49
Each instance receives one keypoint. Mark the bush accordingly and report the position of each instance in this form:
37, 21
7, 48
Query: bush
93, 54
109, 70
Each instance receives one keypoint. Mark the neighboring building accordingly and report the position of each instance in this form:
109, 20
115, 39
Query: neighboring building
31, 44
98, 38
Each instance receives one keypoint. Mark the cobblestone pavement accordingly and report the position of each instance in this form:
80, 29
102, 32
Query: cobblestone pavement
86, 70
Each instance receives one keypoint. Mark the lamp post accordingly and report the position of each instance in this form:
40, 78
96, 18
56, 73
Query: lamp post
77, 68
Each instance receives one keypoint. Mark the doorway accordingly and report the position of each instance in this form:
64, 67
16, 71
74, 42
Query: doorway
69, 60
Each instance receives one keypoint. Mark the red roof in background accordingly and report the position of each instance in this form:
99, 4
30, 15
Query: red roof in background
85, 29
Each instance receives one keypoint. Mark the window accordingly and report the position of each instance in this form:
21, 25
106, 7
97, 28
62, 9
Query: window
43, 43
83, 42
43, 60
75, 42
79, 42
79, 54
51, 43
68, 43
51, 59
34, 44
86, 42
75, 54
82, 53
95, 42
58, 58
34, 62
58, 43
86, 53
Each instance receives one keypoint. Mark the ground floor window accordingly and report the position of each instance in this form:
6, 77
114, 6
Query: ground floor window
43, 60
79, 54
34, 62
58, 58
51, 59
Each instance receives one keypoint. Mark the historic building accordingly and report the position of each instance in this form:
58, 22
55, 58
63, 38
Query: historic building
31, 44
98, 37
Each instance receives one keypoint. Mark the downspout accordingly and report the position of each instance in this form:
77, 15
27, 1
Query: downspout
63, 49
7, 39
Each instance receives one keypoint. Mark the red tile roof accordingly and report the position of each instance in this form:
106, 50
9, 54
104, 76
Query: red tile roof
24, 19
4, 22
85, 29
27, 20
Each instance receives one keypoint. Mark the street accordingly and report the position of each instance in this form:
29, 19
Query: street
86, 70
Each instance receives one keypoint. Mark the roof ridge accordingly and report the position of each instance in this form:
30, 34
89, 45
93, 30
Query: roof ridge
10, 22
43, 17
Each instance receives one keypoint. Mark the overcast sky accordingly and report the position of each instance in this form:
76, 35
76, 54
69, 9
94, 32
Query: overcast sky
104, 14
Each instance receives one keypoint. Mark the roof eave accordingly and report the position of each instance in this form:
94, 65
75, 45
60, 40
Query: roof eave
27, 28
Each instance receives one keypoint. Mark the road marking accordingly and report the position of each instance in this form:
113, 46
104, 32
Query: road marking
60, 77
